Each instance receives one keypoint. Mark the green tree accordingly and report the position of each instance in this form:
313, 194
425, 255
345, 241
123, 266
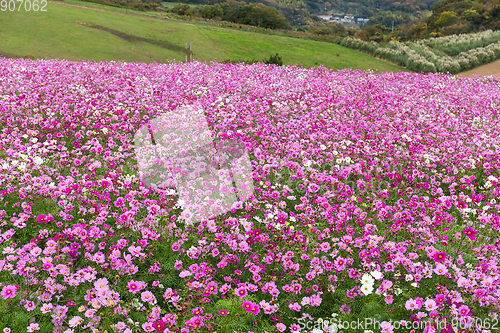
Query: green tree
182, 9
211, 12
457, 6
472, 16
335, 29
446, 19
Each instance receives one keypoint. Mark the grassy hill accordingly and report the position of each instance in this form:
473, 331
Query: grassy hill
76, 30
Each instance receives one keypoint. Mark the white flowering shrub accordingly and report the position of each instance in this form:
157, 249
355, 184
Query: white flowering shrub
436, 54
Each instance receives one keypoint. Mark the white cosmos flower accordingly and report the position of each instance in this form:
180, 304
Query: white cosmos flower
366, 279
367, 289
377, 275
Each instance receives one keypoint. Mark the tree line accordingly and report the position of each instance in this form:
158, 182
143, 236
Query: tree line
255, 15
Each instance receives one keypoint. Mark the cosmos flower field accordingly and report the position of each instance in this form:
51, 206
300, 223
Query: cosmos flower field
376, 196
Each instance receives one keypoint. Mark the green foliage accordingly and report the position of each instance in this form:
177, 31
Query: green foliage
265, 17
182, 9
211, 12
417, 31
456, 6
272, 60
472, 15
386, 18
446, 19
29, 56
335, 29
372, 31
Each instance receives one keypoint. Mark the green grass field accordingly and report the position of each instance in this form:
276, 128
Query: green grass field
59, 33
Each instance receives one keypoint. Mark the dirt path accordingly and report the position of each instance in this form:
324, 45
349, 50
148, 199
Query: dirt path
493, 68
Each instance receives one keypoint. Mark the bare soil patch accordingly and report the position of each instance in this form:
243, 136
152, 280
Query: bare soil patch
493, 68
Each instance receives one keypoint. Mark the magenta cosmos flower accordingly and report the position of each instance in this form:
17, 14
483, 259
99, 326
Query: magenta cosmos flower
440, 256
470, 233
41, 218
159, 326
247, 305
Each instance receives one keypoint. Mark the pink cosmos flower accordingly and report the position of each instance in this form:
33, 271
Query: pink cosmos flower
30, 306
345, 309
295, 306
281, 327
133, 287
241, 292
440, 299
440, 269
8, 292
75, 321
46, 307
33, 327
464, 310
351, 293
147, 296
148, 327
255, 309
386, 327
411, 304
101, 284
430, 305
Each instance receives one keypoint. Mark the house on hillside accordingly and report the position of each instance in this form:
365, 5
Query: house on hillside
325, 17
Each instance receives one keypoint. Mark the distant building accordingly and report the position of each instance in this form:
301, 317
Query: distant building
362, 20
325, 17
